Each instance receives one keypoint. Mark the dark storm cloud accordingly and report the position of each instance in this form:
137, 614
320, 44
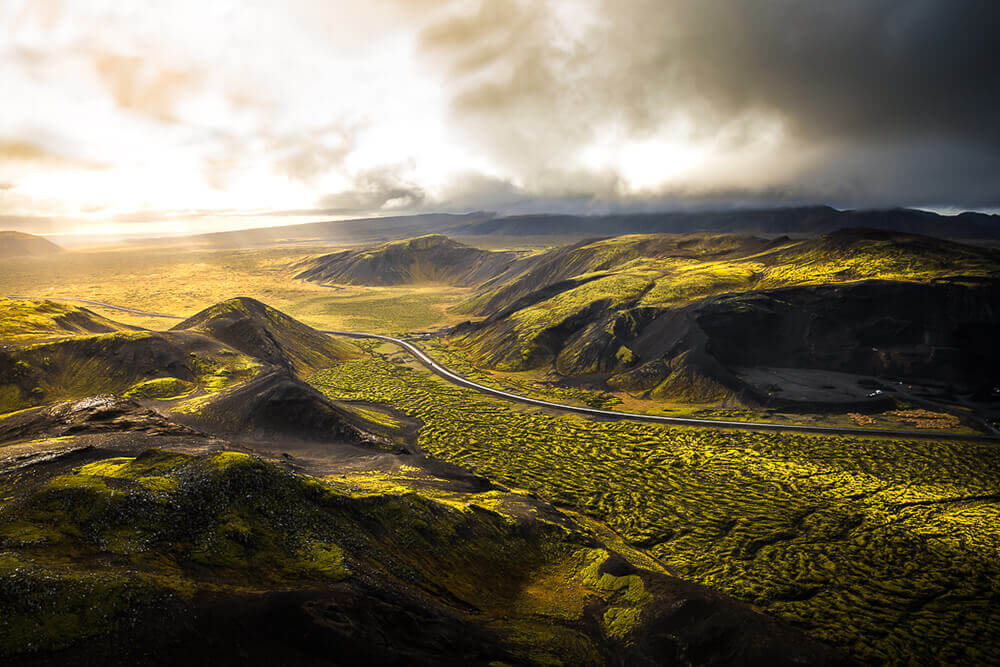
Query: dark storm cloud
895, 101
860, 68
373, 191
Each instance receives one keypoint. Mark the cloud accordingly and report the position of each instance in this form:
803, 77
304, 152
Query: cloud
23, 151
141, 85
508, 105
909, 84
374, 191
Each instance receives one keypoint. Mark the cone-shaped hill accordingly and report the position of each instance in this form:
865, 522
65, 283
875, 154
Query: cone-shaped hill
264, 333
425, 259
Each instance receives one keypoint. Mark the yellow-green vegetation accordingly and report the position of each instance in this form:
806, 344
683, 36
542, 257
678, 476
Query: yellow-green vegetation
162, 280
82, 552
385, 310
86, 552
32, 320
222, 370
628, 594
160, 388
183, 281
269, 335
825, 261
887, 548
587, 300
373, 415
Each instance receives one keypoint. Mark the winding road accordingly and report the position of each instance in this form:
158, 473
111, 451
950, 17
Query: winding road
447, 374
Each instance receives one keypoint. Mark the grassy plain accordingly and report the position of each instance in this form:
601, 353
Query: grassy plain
887, 548
183, 282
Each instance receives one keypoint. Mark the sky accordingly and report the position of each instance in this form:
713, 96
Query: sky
179, 116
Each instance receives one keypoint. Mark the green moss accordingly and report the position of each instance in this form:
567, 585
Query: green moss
160, 388
9, 563
115, 363
23, 533
625, 356
26, 320
620, 622
226, 460
105, 468
123, 535
324, 561
373, 415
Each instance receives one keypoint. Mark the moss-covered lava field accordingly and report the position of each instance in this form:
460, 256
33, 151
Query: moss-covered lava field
887, 548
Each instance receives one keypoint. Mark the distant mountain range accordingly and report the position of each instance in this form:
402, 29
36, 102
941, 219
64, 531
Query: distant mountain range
809, 221
802, 221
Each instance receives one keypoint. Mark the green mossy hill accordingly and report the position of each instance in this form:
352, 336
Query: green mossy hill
269, 335
19, 244
793, 304
566, 267
100, 548
25, 320
117, 363
857, 254
425, 259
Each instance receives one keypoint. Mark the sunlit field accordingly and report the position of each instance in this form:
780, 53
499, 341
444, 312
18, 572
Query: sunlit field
182, 282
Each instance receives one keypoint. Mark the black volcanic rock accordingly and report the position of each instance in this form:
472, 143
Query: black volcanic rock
94, 414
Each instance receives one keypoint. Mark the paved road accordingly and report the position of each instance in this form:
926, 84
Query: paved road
437, 368
635, 416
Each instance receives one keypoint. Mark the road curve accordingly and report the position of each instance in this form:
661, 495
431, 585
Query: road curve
437, 368
440, 370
